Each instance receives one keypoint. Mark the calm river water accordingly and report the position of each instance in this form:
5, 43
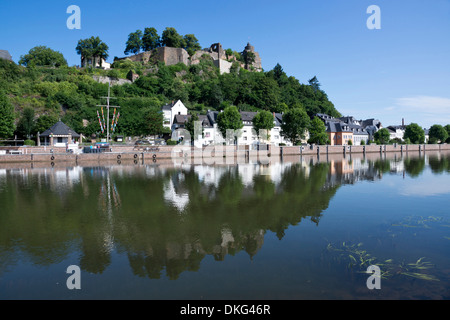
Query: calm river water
302, 229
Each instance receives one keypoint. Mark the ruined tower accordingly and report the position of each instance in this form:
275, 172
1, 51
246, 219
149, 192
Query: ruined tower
257, 63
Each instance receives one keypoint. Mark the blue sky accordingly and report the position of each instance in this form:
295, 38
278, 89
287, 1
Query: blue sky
399, 71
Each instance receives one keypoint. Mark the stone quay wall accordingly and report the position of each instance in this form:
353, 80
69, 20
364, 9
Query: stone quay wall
120, 153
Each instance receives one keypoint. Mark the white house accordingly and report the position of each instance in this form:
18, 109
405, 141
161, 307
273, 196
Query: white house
172, 109
396, 132
211, 132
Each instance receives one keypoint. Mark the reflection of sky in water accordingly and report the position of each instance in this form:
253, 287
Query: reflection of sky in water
427, 185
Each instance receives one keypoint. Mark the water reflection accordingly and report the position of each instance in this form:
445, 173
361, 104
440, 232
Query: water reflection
167, 220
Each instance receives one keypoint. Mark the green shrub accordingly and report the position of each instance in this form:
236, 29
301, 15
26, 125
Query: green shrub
171, 142
29, 143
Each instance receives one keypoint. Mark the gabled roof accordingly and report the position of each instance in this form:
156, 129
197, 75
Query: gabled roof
247, 115
60, 129
168, 106
205, 121
334, 126
181, 118
357, 129
212, 116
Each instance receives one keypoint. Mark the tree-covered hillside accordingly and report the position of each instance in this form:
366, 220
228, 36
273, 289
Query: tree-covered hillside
72, 95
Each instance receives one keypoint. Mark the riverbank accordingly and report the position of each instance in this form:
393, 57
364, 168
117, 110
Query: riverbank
209, 155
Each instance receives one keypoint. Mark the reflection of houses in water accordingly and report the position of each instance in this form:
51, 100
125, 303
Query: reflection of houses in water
350, 171
175, 193
209, 175
58, 180
250, 243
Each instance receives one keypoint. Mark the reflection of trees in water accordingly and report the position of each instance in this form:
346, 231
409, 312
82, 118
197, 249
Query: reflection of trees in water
414, 166
439, 163
128, 210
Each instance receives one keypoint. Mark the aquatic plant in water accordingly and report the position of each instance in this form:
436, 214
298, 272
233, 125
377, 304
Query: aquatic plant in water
358, 258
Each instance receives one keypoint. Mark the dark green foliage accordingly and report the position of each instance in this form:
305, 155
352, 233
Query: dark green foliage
382, 136
414, 133
92, 48
317, 132
134, 42
295, 123
29, 143
229, 119
438, 133
191, 44
44, 57
150, 39
447, 128
44, 122
72, 95
171, 38
27, 122
6, 116
263, 120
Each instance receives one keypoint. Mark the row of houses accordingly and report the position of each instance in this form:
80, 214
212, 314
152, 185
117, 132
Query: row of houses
340, 131
349, 130
176, 116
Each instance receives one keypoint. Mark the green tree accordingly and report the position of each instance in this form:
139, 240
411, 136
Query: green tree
414, 133
314, 83
279, 75
171, 38
134, 42
438, 133
229, 53
191, 44
382, 136
27, 122
447, 128
44, 122
44, 57
317, 132
190, 125
7, 117
92, 49
229, 119
150, 39
294, 125
264, 121
154, 121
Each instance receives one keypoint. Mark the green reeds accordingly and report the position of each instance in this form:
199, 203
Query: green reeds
357, 257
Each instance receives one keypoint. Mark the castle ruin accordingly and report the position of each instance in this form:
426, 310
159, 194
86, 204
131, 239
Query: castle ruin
171, 56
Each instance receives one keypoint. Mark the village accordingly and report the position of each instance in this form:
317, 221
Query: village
340, 131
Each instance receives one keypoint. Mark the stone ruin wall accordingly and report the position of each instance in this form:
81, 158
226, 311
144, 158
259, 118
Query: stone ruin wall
171, 56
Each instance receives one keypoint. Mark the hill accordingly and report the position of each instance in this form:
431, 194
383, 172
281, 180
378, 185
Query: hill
72, 95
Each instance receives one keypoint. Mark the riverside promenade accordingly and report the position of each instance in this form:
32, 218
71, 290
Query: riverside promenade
207, 155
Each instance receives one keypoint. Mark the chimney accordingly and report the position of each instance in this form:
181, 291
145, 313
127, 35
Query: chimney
403, 122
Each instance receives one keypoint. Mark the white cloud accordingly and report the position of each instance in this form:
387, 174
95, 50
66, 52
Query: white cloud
426, 110
426, 104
